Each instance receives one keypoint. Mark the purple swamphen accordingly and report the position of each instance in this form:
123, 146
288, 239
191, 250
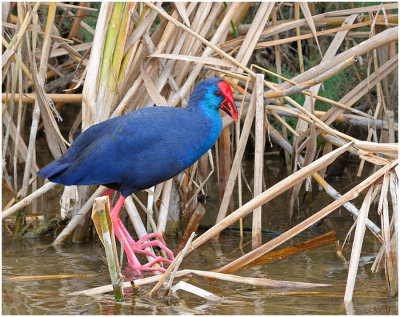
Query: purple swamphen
144, 148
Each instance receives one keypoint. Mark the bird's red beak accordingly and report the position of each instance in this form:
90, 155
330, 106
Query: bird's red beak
228, 105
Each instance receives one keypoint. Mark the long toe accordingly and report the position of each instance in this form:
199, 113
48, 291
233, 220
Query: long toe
141, 244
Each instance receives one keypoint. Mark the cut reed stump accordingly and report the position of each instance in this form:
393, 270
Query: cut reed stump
102, 220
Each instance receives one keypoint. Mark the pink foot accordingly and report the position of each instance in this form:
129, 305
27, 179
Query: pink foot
131, 247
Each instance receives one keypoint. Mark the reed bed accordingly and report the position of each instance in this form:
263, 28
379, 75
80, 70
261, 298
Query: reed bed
302, 73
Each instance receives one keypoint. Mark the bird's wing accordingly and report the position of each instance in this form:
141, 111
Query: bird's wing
79, 148
101, 153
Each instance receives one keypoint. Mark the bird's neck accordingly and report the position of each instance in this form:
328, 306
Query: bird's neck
209, 116
212, 119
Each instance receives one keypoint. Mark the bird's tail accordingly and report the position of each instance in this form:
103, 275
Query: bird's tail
53, 169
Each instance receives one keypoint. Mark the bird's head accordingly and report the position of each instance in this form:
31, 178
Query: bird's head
214, 93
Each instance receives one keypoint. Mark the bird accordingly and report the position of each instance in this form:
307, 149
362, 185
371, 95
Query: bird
141, 149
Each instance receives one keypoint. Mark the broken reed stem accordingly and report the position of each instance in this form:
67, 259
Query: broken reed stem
101, 206
78, 217
357, 244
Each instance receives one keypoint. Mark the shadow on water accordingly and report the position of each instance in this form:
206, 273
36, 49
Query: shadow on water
322, 265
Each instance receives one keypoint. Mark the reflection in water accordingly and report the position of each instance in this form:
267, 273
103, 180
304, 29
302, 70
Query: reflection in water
34, 257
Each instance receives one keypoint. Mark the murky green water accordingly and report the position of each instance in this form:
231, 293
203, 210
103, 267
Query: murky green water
34, 257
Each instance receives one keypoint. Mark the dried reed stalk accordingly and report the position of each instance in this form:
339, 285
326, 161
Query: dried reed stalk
351, 194
383, 211
28, 199
258, 158
211, 275
357, 243
383, 38
270, 193
11, 50
47, 277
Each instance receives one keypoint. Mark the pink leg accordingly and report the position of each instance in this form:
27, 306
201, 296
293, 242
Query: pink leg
121, 233
108, 192
131, 247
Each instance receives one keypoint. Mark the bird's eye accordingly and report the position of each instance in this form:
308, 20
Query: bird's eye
218, 94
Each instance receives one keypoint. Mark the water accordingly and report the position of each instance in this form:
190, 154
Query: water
47, 296
318, 266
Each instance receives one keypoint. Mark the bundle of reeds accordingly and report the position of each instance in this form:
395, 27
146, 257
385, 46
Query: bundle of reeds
114, 58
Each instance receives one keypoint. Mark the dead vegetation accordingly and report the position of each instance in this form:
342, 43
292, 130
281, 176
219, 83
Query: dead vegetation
280, 59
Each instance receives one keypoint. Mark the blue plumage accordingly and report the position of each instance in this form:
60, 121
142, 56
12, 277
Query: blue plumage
145, 147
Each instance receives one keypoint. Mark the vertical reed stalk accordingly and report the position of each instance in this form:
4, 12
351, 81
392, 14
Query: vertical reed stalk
224, 158
299, 49
165, 199
258, 158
